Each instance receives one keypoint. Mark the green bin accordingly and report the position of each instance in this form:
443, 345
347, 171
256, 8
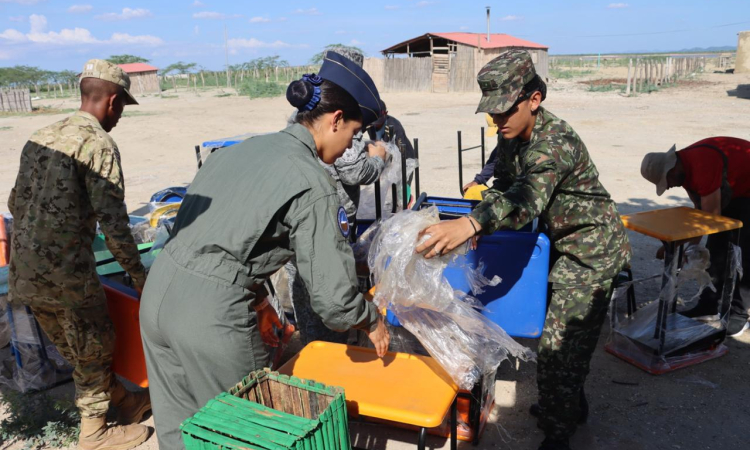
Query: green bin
268, 411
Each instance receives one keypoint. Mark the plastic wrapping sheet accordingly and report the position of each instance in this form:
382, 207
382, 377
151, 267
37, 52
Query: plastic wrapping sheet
4, 325
162, 212
143, 232
687, 341
28, 368
465, 343
391, 176
361, 248
697, 262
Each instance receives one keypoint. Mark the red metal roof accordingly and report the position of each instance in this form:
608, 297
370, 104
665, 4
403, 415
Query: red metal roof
497, 40
137, 67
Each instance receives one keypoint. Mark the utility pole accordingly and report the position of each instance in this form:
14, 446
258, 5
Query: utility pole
488, 23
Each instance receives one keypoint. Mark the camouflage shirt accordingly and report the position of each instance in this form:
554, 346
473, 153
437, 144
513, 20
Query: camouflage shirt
552, 177
353, 169
69, 178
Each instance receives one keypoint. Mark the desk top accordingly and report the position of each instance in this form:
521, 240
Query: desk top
403, 388
677, 224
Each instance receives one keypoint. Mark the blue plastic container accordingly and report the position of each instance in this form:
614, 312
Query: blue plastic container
520, 258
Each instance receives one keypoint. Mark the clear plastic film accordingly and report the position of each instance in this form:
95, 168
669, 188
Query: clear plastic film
28, 367
4, 325
465, 343
361, 248
390, 177
685, 341
143, 232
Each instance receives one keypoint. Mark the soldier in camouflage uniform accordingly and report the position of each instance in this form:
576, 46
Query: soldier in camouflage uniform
544, 170
359, 165
69, 178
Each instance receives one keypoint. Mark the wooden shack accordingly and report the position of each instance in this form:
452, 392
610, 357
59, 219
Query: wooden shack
143, 78
447, 62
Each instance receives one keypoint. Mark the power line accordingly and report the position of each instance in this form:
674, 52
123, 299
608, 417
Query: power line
651, 33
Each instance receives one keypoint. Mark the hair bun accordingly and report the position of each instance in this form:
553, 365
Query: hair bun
299, 93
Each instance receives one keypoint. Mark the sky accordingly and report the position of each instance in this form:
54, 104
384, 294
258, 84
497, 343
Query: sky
61, 34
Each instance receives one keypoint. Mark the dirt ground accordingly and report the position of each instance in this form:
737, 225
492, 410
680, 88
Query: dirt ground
701, 407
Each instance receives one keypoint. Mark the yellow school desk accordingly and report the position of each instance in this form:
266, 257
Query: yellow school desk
673, 226
400, 387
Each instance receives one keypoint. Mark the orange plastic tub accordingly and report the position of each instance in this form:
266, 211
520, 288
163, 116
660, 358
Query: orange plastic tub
129, 360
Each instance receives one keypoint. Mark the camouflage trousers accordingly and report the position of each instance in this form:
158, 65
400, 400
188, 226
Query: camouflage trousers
571, 331
309, 324
85, 337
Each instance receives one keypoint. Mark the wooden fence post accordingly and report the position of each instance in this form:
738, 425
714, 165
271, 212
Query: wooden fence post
630, 68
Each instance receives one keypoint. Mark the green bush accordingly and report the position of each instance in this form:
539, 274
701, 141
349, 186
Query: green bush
261, 89
38, 420
606, 87
564, 74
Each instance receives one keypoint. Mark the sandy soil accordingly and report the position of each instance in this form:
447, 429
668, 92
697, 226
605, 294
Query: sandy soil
705, 406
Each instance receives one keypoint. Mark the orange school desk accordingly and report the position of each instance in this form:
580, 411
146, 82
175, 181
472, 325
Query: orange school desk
673, 226
400, 387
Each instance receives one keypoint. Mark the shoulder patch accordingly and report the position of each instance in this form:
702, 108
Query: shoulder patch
343, 221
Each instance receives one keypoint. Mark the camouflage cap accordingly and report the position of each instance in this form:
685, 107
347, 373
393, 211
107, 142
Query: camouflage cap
502, 80
105, 70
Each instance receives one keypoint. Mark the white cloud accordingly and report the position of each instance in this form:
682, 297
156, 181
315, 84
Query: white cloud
214, 15
259, 19
509, 18
38, 34
282, 19
17, 18
4, 55
77, 9
356, 42
617, 5
391, 7
307, 12
424, 3
464, 28
127, 14
255, 43
197, 30
124, 38
38, 23
13, 35
341, 32
198, 4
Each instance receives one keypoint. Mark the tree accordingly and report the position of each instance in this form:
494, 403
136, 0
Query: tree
126, 59
180, 67
318, 58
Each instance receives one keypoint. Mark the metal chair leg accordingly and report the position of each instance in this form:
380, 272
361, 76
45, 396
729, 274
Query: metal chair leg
422, 438
454, 424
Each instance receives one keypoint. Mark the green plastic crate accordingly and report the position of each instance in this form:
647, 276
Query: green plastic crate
268, 411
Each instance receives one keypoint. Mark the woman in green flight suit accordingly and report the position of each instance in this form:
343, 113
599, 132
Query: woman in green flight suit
250, 208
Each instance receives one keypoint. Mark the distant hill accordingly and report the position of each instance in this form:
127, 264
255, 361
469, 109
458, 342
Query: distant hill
726, 48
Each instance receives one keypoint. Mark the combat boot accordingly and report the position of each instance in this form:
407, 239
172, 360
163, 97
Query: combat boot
96, 435
536, 410
131, 406
555, 444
